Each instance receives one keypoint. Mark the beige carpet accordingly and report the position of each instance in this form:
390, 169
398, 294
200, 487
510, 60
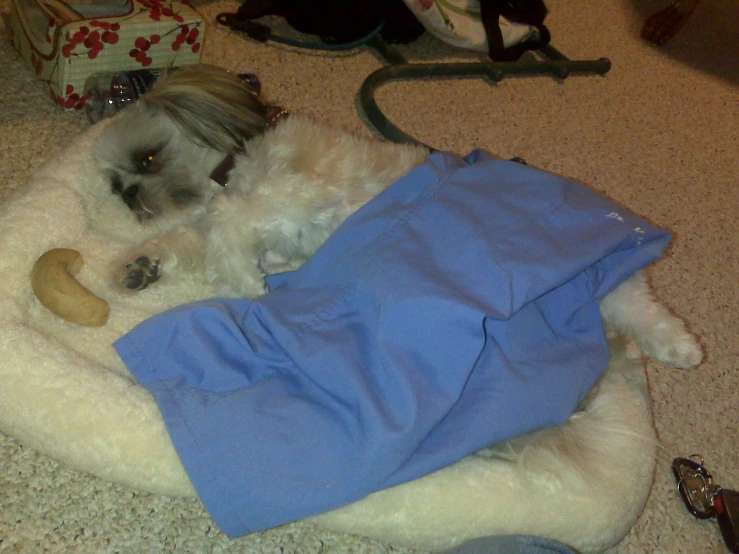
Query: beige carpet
658, 134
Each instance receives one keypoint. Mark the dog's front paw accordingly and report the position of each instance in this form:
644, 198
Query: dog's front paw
140, 273
680, 350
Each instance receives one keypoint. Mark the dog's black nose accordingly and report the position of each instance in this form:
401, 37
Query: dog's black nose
129, 196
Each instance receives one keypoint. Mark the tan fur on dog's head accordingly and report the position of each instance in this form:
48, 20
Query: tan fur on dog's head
215, 106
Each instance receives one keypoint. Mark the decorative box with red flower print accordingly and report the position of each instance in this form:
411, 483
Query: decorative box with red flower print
65, 43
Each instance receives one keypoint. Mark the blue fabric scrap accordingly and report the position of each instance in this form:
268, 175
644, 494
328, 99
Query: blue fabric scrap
457, 309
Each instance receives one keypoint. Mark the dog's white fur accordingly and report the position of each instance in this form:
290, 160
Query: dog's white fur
292, 184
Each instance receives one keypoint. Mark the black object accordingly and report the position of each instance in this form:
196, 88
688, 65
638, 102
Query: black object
343, 25
527, 12
335, 22
727, 514
693, 482
705, 499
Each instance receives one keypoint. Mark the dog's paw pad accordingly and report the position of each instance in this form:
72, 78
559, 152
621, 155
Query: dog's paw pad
141, 273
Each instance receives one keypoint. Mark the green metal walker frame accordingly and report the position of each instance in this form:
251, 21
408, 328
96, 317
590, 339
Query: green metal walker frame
555, 64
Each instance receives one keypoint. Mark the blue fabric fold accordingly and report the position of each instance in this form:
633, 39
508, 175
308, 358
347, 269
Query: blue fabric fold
457, 309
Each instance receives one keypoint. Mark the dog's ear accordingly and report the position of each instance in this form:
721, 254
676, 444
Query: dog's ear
214, 106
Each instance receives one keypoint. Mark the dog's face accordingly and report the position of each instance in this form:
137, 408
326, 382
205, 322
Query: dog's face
158, 154
153, 166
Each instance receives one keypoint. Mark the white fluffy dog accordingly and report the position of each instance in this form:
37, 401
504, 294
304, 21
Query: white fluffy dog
290, 184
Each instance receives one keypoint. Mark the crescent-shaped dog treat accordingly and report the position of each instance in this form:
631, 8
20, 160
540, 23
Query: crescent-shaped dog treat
54, 284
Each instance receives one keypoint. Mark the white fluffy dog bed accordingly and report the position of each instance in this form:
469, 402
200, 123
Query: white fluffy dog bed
64, 391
